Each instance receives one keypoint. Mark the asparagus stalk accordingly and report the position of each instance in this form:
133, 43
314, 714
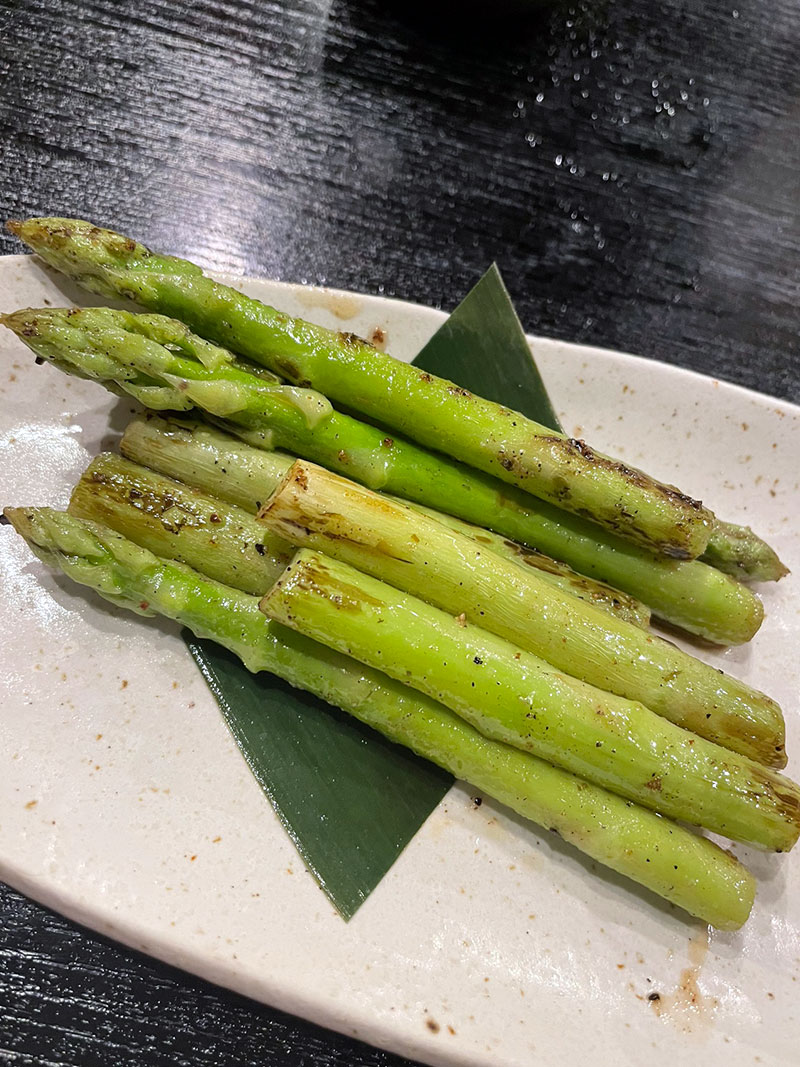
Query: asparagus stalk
315, 508
427, 409
210, 459
737, 551
191, 451
548, 570
690, 871
513, 696
176, 522
203, 456
112, 347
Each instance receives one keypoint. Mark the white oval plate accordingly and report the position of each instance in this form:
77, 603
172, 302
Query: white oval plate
126, 806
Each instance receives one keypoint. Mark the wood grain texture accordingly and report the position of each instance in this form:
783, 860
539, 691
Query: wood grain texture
73, 999
632, 166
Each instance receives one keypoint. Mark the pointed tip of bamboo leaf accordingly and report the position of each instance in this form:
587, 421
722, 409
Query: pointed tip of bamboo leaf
482, 347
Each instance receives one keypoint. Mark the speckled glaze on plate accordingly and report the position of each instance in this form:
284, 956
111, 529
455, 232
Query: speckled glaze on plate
126, 806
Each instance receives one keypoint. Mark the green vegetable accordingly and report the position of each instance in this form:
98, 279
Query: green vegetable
123, 349
180, 523
216, 463
483, 347
515, 697
737, 551
547, 570
431, 410
315, 508
688, 870
193, 452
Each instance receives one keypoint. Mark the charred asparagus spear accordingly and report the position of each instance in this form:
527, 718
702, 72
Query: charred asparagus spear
430, 410
217, 464
315, 508
513, 696
178, 522
690, 871
158, 359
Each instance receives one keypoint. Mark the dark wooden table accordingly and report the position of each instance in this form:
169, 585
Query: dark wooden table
632, 166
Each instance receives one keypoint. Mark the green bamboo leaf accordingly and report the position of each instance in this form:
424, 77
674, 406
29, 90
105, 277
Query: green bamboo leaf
482, 347
349, 799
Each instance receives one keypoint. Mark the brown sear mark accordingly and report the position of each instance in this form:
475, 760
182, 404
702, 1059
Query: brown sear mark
784, 793
574, 446
287, 368
313, 578
352, 340
151, 503
654, 783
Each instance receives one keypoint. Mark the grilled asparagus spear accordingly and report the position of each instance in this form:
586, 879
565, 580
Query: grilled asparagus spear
163, 365
690, 871
513, 696
430, 410
180, 523
315, 508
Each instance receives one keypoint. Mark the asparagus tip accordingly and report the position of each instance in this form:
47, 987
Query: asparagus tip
20, 519
14, 226
22, 322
